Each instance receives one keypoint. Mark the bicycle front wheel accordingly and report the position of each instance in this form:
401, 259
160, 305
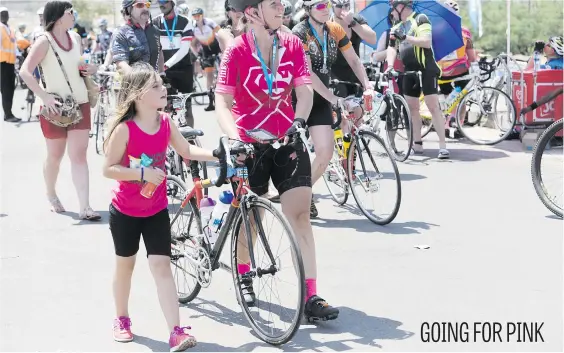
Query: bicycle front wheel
279, 265
486, 116
187, 262
374, 178
548, 155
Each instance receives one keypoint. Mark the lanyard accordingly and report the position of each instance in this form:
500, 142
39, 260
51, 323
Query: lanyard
322, 44
268, 78
170, 34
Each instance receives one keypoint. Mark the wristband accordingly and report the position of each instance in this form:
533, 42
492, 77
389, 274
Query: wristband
534, 105
142, 174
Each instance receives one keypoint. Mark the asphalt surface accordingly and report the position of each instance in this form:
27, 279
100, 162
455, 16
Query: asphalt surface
494, 255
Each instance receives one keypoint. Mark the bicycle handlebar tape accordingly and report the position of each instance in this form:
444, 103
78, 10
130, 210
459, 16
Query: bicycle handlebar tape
223, 156
339, 115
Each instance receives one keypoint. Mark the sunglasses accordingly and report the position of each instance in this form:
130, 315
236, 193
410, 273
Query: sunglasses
141, 5
322, 6
197, 16
347, 6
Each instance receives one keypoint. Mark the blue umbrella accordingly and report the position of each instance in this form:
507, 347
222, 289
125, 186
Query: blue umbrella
447, 26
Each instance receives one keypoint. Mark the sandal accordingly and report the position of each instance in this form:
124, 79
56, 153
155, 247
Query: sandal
89, 215
56, 205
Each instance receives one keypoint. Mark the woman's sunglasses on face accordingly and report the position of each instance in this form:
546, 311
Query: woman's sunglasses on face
141, 5
322, 6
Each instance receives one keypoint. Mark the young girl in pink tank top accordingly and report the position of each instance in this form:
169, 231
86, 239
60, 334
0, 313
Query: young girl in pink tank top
140, 132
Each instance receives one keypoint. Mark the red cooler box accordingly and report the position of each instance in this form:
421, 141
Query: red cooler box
547, 81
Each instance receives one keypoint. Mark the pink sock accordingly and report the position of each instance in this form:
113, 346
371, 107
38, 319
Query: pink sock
311, 287
243, 268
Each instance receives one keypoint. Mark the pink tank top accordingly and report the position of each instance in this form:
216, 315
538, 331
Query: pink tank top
127, 194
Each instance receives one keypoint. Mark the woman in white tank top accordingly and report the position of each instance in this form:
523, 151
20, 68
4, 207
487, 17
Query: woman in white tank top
58, 18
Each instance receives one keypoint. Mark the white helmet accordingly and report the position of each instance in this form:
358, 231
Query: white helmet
557, 44
183, 9
40, 11
340, 2
452, 4
312, 2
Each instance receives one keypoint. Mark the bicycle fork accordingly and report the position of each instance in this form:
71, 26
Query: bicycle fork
367, 184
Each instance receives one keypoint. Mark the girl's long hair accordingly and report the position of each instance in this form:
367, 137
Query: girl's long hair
134, 84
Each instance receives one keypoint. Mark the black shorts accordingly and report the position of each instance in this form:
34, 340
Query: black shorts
446, 88
209, 53
412, 88
126, 232
345, 91
277, 164
321, 112
182, 80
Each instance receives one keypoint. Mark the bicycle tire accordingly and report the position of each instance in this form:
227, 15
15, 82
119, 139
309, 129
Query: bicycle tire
335, 163
350, 164
426, 119
460, 119
297, 261
400, 157
184, 298
29, 111
98, 136
536, 176
200, 100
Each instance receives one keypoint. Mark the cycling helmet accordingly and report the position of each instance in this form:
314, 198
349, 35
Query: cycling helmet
340, 2
309, 3
197, 11
127, 3
288, 9
22, 26
40, 11
452, 4
394, 3
183, 9
241, 5
103, 22
557, 44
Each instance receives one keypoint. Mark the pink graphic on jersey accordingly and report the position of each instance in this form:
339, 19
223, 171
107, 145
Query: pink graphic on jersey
241, 75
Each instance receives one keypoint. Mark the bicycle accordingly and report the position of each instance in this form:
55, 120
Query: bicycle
193, 255
549, 146
103, 108
175, 164
477, 106
345, 173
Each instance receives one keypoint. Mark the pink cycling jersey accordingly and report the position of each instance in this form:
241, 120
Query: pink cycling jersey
241, 75
127, 195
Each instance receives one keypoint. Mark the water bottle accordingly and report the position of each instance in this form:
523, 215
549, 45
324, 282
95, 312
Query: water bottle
206, 209
218, 215
87, 56
536, 60
377, 103
442, 102
452, 96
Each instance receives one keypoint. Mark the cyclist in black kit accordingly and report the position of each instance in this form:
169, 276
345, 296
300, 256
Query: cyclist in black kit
176, 35
412, 37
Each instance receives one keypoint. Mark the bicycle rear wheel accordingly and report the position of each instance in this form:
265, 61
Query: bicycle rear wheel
100, 122
549, 146
200, 100
374, 182
335, 179
398, 122
486, 115
287, 265
186, 241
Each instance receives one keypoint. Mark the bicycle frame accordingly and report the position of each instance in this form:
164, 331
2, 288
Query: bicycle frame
239, 204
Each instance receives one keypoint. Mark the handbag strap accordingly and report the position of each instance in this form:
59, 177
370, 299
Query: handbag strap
60, 64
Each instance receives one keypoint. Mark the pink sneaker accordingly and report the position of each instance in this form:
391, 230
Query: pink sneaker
122, 329
180, 340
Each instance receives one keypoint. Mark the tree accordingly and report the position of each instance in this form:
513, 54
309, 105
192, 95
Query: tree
531, 20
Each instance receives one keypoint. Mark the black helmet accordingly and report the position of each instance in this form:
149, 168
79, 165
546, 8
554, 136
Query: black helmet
241, 5
197, 11
287, 7
394, 3
127, 3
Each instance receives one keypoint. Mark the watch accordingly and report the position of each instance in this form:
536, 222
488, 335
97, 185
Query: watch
353, 23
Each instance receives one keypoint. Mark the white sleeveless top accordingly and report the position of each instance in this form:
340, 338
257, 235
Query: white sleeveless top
53, 74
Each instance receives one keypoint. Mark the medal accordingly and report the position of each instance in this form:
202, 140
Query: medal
323, 45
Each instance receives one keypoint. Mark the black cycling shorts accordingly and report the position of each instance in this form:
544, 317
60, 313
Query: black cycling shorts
286, 169
127, 230
446, 88
209, 53
183, 81
321, 112
412, 88
345, 91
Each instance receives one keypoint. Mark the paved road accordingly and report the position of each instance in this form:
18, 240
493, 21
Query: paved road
495, 255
